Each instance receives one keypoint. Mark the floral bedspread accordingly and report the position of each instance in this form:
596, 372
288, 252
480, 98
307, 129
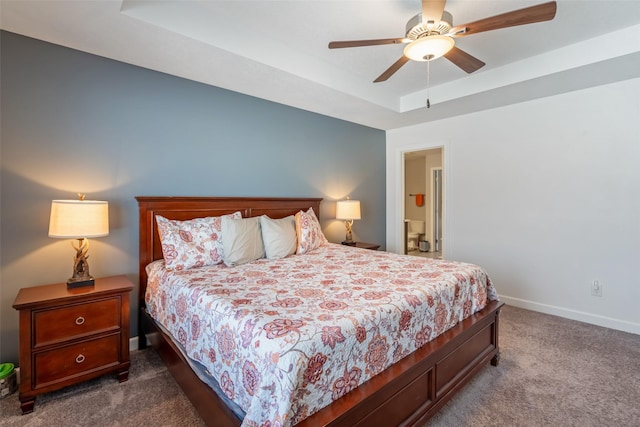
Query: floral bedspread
284, 338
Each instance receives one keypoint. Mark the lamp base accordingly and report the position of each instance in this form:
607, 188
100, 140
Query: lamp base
351, 243
80, 283
81, 276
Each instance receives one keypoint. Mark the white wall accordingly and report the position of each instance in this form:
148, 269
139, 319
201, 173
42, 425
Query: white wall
546, 196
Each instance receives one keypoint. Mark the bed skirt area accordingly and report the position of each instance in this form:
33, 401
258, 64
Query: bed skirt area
196, 367
407, 393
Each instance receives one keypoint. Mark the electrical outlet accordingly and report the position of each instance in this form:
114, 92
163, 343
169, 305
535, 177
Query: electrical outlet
596, 289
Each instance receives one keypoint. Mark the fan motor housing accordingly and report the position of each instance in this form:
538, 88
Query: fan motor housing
415, 28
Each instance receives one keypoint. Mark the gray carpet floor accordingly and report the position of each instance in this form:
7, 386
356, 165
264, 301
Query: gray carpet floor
553, 372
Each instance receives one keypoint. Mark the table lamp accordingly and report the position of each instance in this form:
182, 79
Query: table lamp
348, 210
79, 219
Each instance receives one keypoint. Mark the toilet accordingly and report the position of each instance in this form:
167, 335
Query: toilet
414, 234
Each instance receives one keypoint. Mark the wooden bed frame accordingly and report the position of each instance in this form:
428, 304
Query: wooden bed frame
407, 393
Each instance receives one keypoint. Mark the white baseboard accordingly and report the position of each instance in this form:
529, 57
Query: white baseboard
594, 319
133, 344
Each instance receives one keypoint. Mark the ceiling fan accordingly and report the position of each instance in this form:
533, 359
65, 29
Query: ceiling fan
431, 34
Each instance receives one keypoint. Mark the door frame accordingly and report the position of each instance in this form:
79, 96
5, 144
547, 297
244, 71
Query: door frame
396, 191
434, 245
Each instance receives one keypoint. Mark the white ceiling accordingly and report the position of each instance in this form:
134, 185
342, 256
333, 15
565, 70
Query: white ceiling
277, 50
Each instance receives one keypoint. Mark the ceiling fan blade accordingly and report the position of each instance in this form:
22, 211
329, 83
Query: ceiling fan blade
391, 70
463, 60
358, 43
528, 15
432, 11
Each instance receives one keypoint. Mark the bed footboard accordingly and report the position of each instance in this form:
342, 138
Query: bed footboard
407, 393
411, 391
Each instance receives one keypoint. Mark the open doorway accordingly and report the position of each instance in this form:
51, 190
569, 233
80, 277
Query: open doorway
423, 203
396, 195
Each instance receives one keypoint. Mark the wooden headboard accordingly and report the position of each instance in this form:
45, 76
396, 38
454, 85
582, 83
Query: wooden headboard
183, 208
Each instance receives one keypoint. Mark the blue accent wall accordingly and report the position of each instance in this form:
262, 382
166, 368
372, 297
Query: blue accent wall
75, 122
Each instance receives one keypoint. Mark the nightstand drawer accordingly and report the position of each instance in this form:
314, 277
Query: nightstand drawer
63, 363
62, 324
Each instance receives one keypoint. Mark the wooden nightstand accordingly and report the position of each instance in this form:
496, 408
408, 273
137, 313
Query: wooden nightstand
364, 245
71, 335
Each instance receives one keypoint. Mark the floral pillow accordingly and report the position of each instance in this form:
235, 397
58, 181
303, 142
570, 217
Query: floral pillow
192, 243
308, 232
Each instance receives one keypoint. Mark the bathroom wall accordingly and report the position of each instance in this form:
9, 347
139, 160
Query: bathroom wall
415, 183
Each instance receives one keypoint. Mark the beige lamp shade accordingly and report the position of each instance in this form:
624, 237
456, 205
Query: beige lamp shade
348, 209
79, 218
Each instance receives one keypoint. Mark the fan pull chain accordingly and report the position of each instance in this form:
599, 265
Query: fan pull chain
428, 82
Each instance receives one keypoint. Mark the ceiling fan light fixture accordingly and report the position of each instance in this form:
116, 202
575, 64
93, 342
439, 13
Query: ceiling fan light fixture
416, 28
428, 48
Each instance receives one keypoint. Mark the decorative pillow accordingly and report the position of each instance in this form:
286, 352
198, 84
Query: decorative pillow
308, 232
192, 243
278, 236
242, 241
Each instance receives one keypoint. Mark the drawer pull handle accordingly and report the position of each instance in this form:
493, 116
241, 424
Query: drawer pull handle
79, 320
80, 358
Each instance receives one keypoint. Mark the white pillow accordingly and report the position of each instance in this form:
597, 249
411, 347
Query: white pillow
279, 236
241, 240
